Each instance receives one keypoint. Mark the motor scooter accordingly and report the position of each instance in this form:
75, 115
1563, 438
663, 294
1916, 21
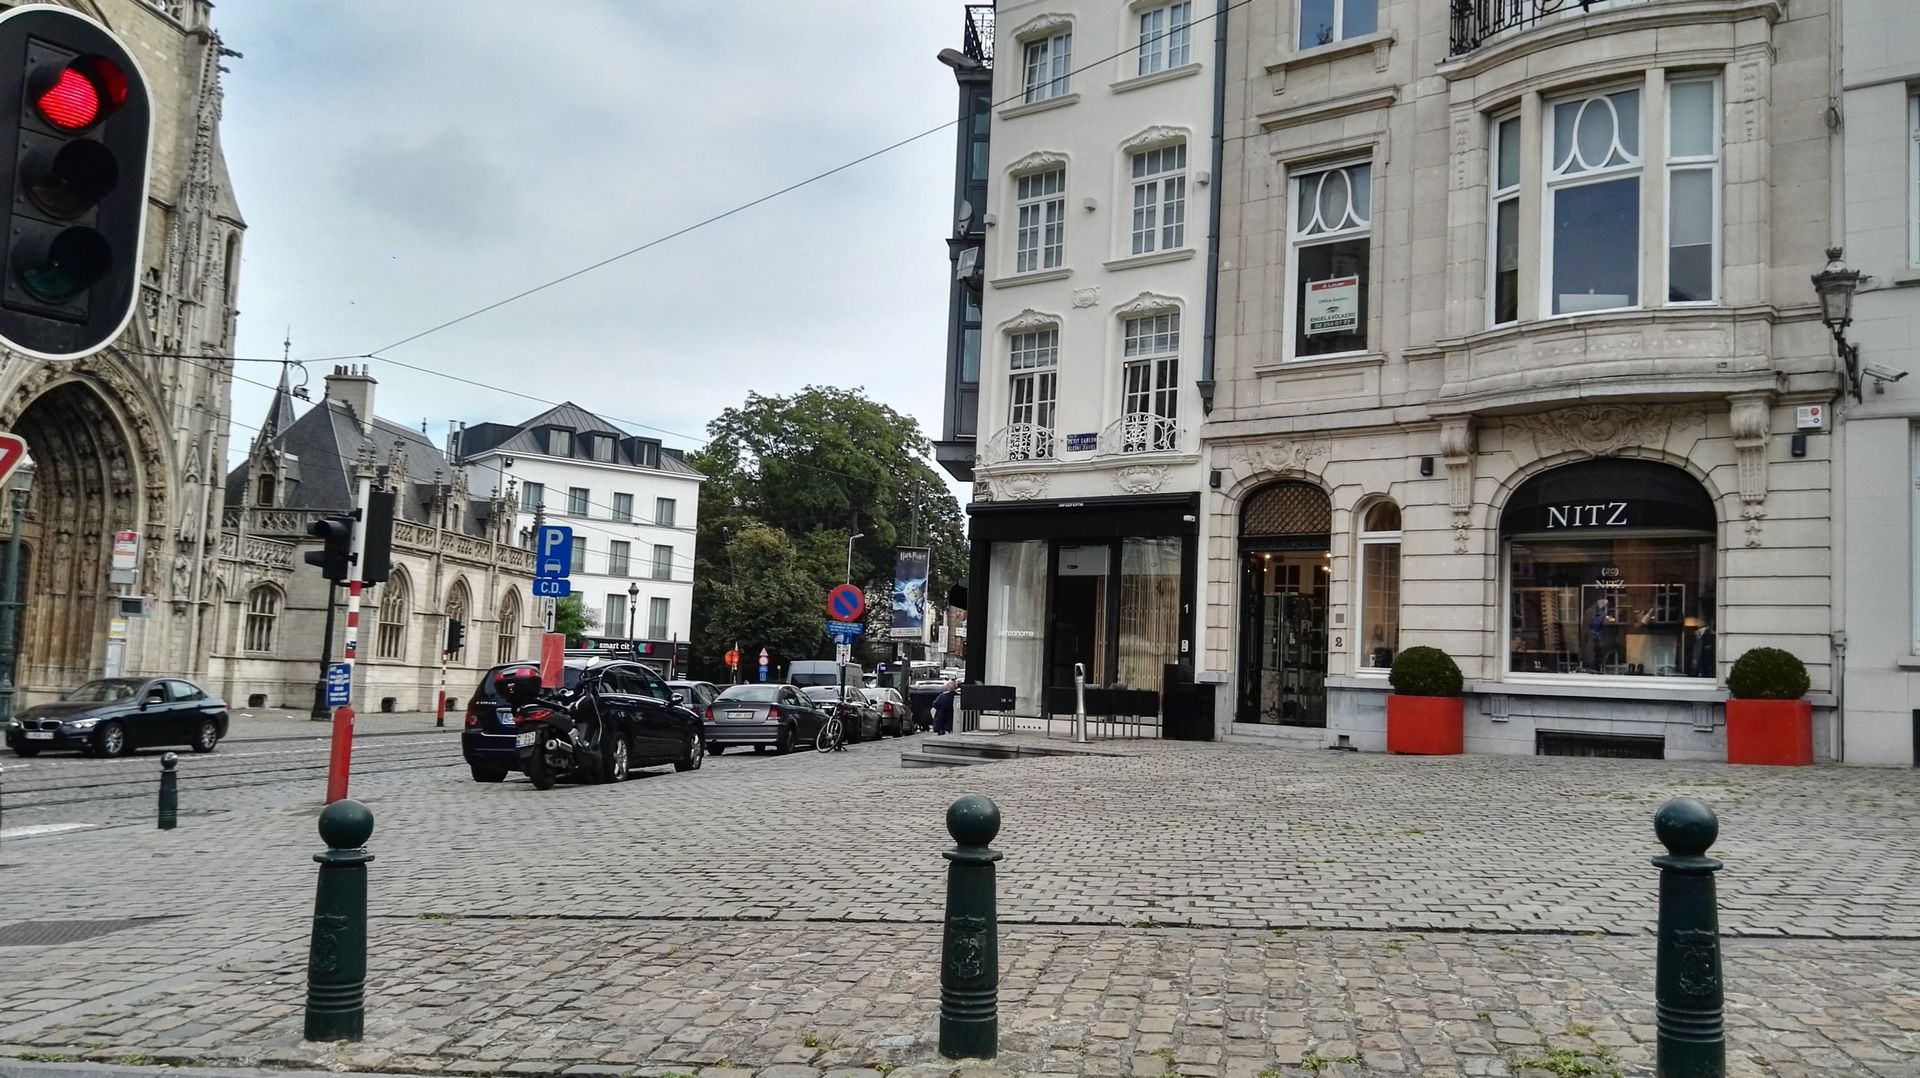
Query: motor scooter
560, 735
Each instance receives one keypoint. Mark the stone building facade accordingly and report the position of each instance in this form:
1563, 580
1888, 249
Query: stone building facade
454, 558
133, 438
1515, 326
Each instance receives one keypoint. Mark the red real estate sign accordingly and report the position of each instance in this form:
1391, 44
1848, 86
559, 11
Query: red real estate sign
13, 450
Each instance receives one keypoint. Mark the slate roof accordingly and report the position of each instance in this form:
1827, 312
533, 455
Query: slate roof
522, 438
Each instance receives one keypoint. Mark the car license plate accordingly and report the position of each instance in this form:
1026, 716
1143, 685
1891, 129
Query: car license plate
525, 740
740, 714
504, 715
39, 735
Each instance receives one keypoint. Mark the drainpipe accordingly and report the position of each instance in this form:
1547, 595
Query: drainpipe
1205, 384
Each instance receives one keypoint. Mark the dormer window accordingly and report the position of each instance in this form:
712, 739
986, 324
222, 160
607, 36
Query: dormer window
559, 442
601, 447
266, 491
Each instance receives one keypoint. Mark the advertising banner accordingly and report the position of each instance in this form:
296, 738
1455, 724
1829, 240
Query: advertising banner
911, 567
1333, 305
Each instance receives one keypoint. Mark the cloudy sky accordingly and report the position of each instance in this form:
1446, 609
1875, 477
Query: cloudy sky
402, 164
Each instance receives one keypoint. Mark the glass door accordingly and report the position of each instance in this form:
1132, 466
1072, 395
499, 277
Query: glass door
1283, 639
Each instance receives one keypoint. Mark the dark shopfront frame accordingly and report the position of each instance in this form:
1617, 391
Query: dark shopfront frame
1078, 522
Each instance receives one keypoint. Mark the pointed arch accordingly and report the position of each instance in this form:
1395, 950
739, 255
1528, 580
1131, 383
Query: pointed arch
506, 645
395, 612
459, 608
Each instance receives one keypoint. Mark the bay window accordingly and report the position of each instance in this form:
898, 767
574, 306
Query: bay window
1379, 632
1593, 202
1331, 242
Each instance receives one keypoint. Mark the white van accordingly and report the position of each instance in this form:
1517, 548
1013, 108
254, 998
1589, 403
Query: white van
810, 672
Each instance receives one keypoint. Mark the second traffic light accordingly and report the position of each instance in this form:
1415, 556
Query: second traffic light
456, 635
75, 109
335, 556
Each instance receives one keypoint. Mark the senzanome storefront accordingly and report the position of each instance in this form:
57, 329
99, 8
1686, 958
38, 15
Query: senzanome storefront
1107, 583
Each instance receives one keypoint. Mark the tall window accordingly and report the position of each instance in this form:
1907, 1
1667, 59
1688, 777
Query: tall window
617, 557
1593, 202
615, 614
577, 500
663, 563
458, 603
1332, 226
1034, 361
391, 637
1040, 238
1049, 67
663, 512
1913, 178
1151, 397
579, 554
1693, 185
506, 641
1166, 37
1160, 199
1380, 586
533, 496
263, 610
1504, 258
656, 619
1323, 22
623, 507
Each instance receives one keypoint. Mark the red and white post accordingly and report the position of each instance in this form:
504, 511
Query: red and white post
340, 761
440, 708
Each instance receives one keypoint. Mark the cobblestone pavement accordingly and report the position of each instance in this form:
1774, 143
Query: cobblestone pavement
1437, 916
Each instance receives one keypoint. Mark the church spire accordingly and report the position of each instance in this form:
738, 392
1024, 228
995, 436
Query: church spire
280, 416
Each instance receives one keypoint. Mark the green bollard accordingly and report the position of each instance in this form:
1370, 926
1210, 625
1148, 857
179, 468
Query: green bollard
1688, 994
970, 947
337, 956
169, 792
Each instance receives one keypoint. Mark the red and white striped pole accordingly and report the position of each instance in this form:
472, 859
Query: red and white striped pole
340, 761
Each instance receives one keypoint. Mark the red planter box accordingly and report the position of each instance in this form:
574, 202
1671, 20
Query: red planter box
1426, 725
1770, 732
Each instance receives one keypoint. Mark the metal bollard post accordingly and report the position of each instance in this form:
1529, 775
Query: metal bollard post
1079, 703
169, 792
1689, 995
970, 946
337, 955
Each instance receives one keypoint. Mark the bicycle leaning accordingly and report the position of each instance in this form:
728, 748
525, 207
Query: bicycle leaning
833, 734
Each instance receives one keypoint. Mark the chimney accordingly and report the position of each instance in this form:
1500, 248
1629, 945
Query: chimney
353, 387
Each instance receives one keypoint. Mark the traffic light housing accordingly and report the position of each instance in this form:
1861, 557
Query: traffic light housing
376, 543
456, 635
74, 107
335, 556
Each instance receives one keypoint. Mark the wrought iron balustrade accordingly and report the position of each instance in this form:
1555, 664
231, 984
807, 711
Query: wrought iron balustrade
1476, 21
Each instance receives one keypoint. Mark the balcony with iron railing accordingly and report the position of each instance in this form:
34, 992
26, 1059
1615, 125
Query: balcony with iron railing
1477, 22
979, 35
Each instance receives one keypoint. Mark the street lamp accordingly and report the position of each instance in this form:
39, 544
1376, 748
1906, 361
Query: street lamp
633, 606
850, 539
18, 485
1835, 285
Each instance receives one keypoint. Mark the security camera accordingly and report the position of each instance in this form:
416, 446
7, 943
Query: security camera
1883, 372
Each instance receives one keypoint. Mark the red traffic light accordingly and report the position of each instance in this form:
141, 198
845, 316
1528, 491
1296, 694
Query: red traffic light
75, 96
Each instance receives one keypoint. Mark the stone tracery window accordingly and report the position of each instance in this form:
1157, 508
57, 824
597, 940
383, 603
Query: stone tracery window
263, 613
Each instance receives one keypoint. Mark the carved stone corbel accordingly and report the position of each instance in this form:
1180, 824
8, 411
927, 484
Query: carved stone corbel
1750, 417
1457, 449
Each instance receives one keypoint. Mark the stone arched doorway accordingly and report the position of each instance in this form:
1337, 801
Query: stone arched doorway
1285, 532
87, 486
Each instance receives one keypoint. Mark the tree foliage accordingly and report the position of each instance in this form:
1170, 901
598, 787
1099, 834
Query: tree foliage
571, 617
816, 467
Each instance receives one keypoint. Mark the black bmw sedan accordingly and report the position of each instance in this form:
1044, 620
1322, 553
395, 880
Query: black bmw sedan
114, 716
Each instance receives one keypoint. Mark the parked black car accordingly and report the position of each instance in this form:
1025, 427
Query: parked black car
896, 715
861, 716
764, 716
113, 716
655, 729
697, 694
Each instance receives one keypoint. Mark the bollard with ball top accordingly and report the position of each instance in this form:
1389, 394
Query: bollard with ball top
970, 946
1688, 994
169, 792
337, 955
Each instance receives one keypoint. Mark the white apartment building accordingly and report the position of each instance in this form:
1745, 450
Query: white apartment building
1877, 470
632, 504
1091, 302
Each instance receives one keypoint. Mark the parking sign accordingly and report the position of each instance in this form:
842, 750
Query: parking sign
553, 551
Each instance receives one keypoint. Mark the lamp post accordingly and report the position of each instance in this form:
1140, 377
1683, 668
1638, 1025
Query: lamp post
850, 539
1835, 285
18, 487
633, 607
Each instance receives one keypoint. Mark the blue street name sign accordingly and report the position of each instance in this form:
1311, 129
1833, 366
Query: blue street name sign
553, 551
339, 685
845, 630
552, 587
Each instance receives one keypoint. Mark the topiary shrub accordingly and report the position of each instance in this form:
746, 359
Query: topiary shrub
1425, 671
1768, 674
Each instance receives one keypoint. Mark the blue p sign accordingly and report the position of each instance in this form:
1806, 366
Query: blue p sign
553, 551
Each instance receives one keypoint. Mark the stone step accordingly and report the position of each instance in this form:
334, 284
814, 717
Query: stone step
941, 759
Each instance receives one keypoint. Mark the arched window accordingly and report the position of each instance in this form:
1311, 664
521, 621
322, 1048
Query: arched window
1379, 585
263, 611
506, 644
396, 604
459, 601
1610, 568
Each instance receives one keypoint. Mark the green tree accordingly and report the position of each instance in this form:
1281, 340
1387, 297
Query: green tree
758, 596
820, 466
572, 618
